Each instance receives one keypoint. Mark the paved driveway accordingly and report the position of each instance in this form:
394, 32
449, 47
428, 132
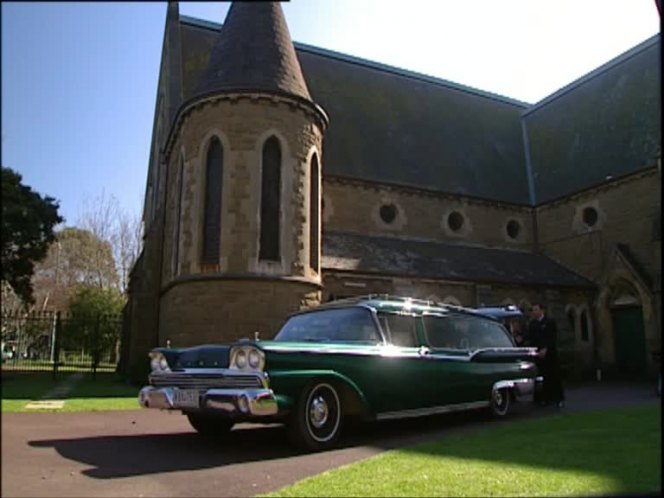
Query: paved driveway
148, 453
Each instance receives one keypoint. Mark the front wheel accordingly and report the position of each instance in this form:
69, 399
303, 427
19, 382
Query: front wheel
209, 426
500, 402
316, 421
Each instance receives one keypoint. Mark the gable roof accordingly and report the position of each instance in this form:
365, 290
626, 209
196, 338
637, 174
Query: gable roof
395, 126
388, 125
607, 123
348, 252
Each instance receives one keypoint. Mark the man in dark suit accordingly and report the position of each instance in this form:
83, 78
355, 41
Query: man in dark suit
544, 334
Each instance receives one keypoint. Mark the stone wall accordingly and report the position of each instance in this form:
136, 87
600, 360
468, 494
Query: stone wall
628, 211
354, 206
243, 126
217, 310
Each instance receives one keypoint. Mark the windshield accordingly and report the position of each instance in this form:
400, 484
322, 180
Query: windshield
465, 332
347, 325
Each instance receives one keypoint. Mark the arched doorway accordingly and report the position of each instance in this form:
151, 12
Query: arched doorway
628, 330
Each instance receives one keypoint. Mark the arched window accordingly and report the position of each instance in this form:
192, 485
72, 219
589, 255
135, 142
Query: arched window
314, 214
178, 215
585, 328
571, 318
212, 206
270, 201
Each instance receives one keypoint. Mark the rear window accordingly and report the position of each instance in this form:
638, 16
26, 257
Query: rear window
346, 325
465, 332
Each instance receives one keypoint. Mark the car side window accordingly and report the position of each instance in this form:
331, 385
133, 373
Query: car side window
445, 332
400, 329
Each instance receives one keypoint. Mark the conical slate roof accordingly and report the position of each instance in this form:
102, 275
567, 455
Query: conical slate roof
254, 51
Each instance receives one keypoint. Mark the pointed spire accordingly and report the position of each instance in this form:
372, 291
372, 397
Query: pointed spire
254, 51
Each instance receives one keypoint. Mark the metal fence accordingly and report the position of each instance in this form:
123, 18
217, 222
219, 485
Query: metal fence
55, 341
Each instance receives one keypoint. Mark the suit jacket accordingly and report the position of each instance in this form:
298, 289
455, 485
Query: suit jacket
544, 334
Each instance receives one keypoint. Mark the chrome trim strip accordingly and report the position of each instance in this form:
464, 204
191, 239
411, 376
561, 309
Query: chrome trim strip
499, 350
432, 411
521, 387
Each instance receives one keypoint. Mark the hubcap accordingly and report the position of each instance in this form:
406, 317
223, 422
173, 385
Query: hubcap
498, 397
318, 412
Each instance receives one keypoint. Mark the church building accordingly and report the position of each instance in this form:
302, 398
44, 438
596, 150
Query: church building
283, 175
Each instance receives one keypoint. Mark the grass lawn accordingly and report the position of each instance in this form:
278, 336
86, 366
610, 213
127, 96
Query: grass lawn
614, 451
105, 392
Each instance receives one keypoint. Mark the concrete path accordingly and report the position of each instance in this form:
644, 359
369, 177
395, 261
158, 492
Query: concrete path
148, 453
55, 397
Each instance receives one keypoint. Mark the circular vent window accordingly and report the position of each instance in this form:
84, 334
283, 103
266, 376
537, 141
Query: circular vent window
590, 216
455, 221
388, 213
513, 229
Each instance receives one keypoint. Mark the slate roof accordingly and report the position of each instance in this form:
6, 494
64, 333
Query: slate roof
254, 51
388, 125
424, 259
606, 123
394, 126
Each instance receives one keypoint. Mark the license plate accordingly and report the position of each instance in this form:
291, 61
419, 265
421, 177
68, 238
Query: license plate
185, 398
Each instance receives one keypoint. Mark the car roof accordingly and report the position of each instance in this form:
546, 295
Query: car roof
500, 312
397, 304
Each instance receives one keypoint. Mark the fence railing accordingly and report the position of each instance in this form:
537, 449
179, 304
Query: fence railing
56, 341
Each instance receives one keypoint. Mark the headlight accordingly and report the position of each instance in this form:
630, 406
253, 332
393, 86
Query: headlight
254, 359
158, 362
247, 358
241, 359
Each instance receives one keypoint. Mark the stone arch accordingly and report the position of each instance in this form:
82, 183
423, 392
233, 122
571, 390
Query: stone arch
177, 223
212, 203
622, 291
572, 315
451, 300
315, 199
290, 167
195, 219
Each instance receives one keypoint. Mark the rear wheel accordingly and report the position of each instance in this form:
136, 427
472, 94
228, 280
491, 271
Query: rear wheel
210, 426
500, 402
316, 421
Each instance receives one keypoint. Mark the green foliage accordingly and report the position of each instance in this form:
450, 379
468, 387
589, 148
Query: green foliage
88, 301
28, 220
93, 321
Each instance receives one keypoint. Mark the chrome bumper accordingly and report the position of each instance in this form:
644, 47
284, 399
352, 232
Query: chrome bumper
236, 402
520, 387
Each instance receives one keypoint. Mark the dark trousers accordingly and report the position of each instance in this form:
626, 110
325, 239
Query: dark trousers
552, 385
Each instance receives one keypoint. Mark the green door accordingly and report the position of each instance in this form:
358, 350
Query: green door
630, 342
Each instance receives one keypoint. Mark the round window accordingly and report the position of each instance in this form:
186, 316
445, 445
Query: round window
455, 221
513, 229
388, 213
590, 216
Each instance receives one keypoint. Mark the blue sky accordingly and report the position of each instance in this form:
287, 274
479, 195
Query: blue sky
79, 79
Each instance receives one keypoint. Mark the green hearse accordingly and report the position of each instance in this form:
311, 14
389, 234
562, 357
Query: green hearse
376, 357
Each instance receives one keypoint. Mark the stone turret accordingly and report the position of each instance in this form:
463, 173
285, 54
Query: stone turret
243, 227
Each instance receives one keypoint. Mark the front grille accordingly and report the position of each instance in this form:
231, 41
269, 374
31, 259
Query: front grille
205, 381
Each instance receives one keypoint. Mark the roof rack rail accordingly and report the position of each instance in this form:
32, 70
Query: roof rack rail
391, 297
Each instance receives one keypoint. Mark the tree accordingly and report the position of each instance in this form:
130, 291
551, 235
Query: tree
28, 220
93, 324
76, 258
103, 216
